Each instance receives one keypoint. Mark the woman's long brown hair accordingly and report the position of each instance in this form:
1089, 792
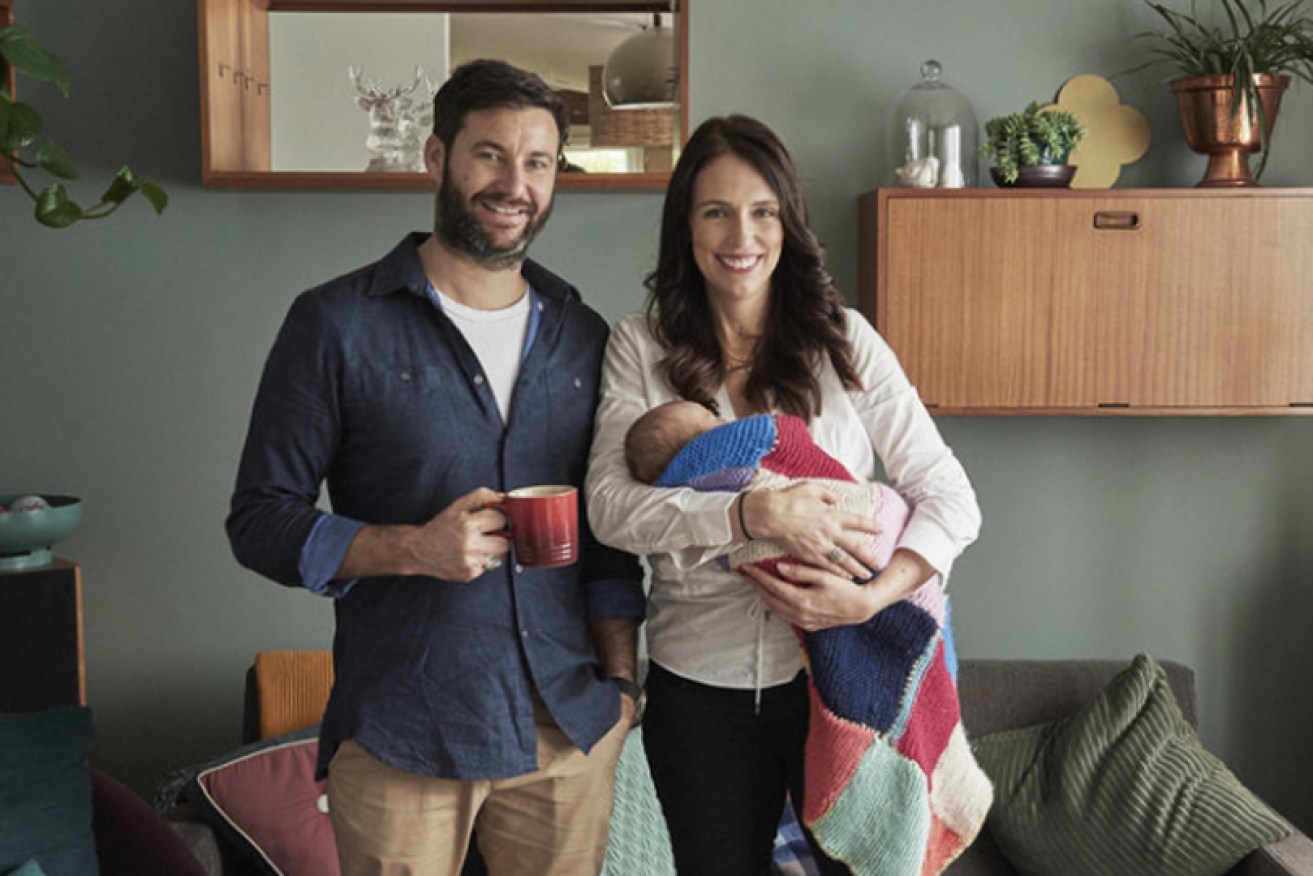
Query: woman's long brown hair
806, 318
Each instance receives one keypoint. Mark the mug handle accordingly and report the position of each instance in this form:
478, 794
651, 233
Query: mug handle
506, 515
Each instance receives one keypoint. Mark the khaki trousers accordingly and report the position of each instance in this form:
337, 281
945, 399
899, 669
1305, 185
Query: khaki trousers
552, 822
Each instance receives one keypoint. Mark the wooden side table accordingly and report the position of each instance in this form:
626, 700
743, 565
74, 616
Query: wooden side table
42, 664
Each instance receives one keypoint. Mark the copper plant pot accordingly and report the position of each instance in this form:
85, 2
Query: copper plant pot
1226, 138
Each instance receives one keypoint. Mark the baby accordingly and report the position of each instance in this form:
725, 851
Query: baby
681, 443
656, 437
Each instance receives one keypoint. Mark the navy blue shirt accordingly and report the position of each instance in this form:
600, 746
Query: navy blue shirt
372, 391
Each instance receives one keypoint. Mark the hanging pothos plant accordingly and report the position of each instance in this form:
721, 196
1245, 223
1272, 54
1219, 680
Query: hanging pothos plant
23, 151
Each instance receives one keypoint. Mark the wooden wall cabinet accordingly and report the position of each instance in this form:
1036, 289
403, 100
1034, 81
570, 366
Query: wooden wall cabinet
1095, 302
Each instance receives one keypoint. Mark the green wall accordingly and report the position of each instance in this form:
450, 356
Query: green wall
130, 349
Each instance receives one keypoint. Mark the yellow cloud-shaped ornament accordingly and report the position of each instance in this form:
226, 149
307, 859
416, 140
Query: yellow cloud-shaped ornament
1119, 134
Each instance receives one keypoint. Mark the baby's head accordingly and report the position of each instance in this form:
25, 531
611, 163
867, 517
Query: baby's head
662, 432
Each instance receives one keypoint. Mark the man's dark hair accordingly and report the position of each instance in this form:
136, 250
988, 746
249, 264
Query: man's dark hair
485, 84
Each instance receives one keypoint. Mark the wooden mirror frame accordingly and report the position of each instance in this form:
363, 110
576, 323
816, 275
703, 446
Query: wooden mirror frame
234, 43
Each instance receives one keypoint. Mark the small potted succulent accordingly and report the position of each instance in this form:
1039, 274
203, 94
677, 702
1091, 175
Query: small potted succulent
1232, 78
22, 151
1030, 148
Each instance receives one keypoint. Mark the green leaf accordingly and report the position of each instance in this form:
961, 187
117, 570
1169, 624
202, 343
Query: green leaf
121, 188
159, 199
54, 209
55, 160
19, 124
19, 48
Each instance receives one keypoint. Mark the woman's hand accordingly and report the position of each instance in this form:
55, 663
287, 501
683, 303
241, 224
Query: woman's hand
814, 599
826, 600
804, 521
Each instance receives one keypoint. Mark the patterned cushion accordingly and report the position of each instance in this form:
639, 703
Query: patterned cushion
1123, 786
265, 805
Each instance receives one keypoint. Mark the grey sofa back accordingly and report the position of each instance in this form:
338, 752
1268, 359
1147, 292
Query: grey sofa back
1007, 694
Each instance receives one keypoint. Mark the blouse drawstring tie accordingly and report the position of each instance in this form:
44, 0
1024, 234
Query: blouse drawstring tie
757, 611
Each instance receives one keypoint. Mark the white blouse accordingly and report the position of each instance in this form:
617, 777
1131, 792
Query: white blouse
707, 624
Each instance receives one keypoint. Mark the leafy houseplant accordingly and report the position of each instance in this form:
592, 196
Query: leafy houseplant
1031, 137
21, 148
1259, 40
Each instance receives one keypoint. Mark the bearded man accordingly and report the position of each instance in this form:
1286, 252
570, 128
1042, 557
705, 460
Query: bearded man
470, 692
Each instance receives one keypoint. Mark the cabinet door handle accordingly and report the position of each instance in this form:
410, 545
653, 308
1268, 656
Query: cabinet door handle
1112, 220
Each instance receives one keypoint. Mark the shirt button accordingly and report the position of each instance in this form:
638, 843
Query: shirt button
478, 379
405, 376
524, 634
578, 384
519, 569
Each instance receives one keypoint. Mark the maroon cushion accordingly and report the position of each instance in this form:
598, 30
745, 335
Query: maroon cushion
130, 838
263, 800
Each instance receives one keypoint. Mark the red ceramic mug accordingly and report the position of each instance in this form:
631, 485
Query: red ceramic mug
543, 522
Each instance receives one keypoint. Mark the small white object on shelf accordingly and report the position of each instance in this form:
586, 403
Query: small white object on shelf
933, 125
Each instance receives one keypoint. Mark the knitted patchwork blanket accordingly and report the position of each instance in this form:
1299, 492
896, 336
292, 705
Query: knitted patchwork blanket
892, 788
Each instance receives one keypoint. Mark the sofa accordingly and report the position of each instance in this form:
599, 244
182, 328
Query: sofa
61, 817
1003, 702
998, 696
287, 690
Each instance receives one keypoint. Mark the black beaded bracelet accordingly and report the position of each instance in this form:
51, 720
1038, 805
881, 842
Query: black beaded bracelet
743, 523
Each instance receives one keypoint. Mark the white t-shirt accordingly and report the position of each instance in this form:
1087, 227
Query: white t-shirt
707, 624
497, 338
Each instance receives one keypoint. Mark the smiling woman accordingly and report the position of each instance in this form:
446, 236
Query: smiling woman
743, 319
280, 108
737, 237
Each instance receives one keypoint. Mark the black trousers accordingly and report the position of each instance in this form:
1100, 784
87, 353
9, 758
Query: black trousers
722, 771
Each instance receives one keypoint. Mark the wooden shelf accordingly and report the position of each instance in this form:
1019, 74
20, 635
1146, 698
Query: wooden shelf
406, 182
236, 106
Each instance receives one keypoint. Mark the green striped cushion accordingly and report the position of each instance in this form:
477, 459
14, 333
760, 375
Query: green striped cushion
1121, 787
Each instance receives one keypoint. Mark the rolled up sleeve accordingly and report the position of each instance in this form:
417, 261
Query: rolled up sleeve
289, 446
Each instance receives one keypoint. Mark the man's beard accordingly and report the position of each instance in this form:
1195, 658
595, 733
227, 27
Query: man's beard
460, 230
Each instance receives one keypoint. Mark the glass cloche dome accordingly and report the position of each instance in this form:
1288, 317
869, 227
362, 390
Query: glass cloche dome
932, 136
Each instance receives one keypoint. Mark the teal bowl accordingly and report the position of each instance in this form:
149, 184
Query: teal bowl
26, 537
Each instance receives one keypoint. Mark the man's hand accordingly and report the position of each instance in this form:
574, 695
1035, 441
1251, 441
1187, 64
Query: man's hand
465, 540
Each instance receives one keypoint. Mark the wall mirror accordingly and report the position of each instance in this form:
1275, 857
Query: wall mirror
337, 94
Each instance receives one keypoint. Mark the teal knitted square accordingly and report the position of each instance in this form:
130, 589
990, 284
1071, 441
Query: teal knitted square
639, 843
1123, 786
